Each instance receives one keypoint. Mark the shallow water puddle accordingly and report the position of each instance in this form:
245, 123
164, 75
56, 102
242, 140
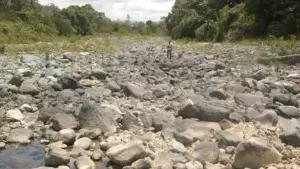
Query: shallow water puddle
23, 156
29, 156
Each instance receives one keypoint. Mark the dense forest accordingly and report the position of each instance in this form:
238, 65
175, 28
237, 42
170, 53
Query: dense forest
26, 21
218, 20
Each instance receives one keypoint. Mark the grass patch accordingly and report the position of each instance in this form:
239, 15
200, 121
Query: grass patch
277, 47
96, 44
2, 48
192, 45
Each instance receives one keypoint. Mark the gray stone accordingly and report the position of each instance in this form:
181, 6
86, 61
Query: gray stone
251, 113
56, 157
29, 87
84, 143
76, 152
255, 153
177, 147
67, 136
134, 90
2, 145
16, 80
289, 111
205, 111
286, 100
162, 120
68, 82
146, 119
248, 82
20, 135
131, 122
84, 162
68, 96
250, 99
206, 151
92, 117
228, 138
99, 74
27, 108
63, 121
194, 165
31, 60
218, 94
162, 160
97, 155
141, 164
114, 87
260, 74
14, 115
209, 165
46, 112
226, 124
268, 117
107, 145
125, 154
92, 134
183, 138
290, 132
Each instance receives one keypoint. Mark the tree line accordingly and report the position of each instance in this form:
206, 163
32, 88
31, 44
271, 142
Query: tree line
27, 20
218, 20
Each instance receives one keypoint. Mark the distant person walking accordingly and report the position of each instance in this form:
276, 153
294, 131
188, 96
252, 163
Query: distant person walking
169, 50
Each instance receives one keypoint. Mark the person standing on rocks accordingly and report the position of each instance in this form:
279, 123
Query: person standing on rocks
169, 50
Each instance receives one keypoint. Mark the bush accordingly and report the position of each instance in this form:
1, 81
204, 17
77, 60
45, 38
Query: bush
64, 27
2, 48
207, 31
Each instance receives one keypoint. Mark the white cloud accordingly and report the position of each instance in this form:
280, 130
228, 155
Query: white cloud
139, 10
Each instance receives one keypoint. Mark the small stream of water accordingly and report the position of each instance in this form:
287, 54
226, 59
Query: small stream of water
29, 156
22, 157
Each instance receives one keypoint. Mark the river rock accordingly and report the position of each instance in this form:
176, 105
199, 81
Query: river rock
290, 132
67, 136
141, 164
206, 111
46, 112
289, 111
92, 117
56, 157
68, 82
63, 121
162, 160
97, 155
31, 59
125, 154
84, 162
29, 87
206, 151
194, 165
131, 122
92, 134
20, 135
268, 117
134, 90
250, 99
83, 143
177, 147
255, 153
99, 74
229, 137
14, 115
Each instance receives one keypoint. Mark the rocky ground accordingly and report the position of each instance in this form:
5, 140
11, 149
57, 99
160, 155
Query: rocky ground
201, 110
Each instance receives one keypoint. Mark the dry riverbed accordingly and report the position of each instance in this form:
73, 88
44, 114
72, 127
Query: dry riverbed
211, 107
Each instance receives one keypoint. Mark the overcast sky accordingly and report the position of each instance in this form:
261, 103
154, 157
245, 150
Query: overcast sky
138, 10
